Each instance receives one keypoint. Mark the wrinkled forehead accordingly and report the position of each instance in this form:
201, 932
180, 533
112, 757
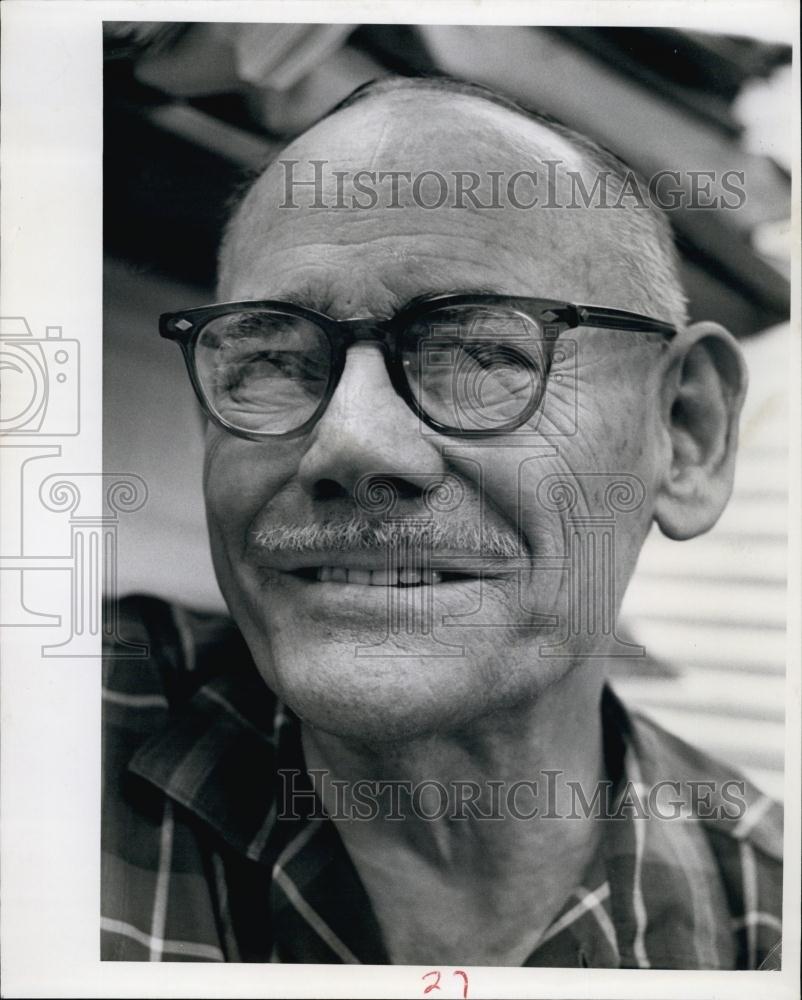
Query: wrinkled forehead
416, 130
313, 198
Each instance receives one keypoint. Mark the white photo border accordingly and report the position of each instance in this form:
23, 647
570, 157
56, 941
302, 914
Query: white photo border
52, 80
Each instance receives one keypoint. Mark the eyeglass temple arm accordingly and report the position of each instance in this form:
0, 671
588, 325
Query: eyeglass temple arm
618, 319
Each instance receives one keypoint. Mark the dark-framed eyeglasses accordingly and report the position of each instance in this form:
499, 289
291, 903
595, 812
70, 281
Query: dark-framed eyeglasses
466, 365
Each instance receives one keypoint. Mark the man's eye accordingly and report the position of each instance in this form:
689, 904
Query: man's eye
494, 357
263, 369
270, 364
458, 361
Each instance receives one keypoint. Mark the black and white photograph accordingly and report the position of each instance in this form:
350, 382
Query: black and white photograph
404, 476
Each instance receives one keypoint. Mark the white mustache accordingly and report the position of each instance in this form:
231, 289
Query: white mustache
357, 533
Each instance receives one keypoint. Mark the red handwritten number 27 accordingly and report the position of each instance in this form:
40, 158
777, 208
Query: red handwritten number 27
435, 985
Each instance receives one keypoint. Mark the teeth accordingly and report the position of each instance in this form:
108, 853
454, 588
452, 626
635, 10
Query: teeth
375, 578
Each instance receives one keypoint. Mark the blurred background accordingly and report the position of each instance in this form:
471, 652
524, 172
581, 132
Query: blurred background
192, 109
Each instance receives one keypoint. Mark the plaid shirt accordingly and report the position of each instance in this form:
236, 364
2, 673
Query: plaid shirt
197, 867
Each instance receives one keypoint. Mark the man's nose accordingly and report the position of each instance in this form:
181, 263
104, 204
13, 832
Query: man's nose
366, 430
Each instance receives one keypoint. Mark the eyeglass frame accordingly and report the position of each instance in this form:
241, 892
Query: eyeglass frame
553, 316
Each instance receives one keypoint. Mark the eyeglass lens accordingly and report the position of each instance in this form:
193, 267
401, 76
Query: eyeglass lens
475, 368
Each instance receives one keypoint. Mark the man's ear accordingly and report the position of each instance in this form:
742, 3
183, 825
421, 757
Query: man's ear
702, 394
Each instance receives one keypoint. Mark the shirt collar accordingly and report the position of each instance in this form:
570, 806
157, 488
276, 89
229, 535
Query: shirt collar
217, 756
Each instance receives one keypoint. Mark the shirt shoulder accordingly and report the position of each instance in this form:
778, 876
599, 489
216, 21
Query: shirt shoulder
741, 825
721, 797
157, 656
158, 649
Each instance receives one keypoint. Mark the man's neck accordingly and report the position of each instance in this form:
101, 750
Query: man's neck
476, 862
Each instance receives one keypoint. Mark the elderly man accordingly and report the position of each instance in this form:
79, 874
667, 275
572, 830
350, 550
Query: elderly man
441, 422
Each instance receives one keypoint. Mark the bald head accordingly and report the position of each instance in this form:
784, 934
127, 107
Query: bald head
416, 147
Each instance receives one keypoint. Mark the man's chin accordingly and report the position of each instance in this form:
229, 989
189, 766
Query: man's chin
374, 670
387, 694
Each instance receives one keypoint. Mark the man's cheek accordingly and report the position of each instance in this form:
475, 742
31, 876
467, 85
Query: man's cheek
235, 484
506, 479
233, 495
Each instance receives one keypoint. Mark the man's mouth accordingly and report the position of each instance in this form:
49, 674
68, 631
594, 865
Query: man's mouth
403, 576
